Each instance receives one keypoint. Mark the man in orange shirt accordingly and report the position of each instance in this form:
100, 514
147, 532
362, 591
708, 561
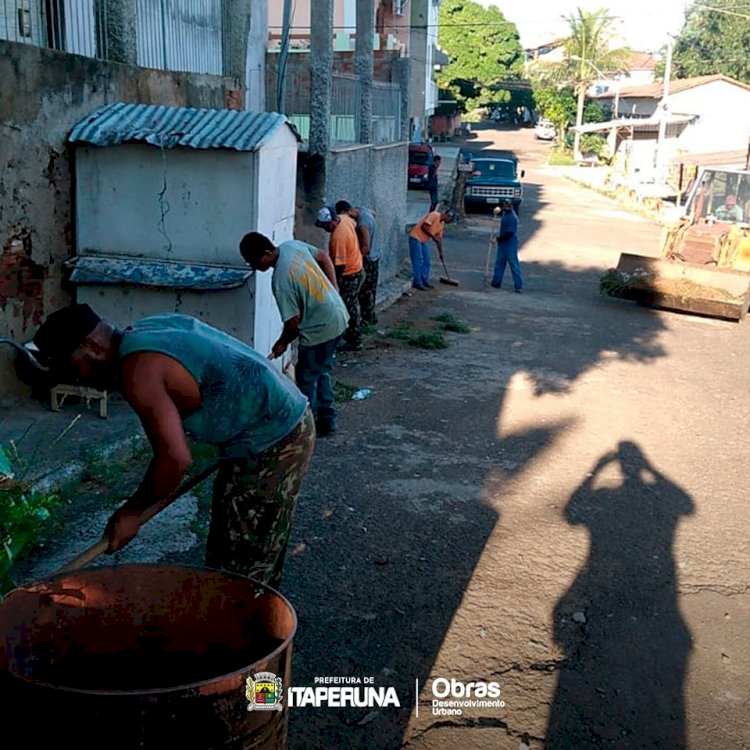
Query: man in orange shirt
346, 255
429, 227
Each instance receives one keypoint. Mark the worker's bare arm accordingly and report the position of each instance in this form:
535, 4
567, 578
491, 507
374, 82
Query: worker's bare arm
154, 385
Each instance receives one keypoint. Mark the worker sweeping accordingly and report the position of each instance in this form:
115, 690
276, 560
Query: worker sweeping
183, 377
507, 249
429, 227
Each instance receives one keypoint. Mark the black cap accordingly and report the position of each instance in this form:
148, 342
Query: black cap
64, 331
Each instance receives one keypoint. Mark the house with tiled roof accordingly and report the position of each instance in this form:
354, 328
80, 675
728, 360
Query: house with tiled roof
659, 125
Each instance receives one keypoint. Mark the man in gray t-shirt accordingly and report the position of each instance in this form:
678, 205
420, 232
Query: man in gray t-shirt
368, 243
304, 286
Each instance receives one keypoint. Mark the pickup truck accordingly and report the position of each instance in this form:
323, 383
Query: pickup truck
492, 180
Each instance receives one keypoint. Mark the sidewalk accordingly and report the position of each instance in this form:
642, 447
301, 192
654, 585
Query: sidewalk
51, 448
647, 200
55, 447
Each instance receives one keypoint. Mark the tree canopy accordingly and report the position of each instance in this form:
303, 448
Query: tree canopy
483, 47
713, 41
589, 54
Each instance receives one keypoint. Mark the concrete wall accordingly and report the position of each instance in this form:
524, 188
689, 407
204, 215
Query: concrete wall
43, 94
373, 176
724, 123
136, 200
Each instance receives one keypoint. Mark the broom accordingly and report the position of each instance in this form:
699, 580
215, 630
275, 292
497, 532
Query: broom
447, 278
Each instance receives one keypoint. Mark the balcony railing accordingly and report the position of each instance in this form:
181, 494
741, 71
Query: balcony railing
346, 96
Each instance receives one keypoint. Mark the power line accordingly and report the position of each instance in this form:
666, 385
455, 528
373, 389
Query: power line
726, 11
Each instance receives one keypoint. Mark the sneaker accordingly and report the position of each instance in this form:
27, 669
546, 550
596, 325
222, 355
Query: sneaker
428, 286
518, 291
495, 286
420, 287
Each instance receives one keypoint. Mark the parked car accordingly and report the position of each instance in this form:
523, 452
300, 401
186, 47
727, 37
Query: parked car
545, 131
491, 181
420, 158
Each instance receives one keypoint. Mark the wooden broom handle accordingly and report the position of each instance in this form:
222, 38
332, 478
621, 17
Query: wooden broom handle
101, 546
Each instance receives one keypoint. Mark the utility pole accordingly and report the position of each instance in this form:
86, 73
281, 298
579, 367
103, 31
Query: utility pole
659, 153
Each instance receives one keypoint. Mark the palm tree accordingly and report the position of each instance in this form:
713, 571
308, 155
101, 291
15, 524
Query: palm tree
588, 56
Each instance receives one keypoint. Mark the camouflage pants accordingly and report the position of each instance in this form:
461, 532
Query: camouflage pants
253, 504
368, 290
349, 287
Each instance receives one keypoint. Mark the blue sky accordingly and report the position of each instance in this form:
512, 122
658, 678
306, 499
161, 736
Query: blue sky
645, 24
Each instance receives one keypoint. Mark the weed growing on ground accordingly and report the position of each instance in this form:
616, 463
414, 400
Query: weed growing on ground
406, 332
448, 322
343, 392
561, 157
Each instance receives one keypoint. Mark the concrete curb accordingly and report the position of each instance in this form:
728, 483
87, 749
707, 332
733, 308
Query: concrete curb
74, 470
644, 212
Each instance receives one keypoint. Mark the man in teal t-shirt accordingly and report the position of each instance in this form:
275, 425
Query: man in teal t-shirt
184, 378
305, 289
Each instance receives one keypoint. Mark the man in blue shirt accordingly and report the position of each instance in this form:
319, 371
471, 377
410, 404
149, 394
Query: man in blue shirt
184, 378
507, 249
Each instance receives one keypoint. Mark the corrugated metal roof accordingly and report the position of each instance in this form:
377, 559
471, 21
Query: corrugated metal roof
634, 123
116, 271
168, 127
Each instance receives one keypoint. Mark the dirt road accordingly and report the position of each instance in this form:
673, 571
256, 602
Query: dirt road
553, 507
554, 503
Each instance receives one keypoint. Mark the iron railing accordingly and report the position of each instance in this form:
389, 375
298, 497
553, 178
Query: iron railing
69, 25
346, 97
386, 112
178, 35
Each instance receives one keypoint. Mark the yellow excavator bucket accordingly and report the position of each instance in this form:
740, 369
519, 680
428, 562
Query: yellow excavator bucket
672, 285
703, 266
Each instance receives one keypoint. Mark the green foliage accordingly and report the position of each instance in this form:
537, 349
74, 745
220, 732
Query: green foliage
593, 143
593, 112
406, 332
448, 322
561, 157
23, 513
613, 284
557, 105
343, 392
483, 47
712, 41
474, 115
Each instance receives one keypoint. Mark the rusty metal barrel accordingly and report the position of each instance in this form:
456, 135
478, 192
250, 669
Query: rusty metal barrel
147, 656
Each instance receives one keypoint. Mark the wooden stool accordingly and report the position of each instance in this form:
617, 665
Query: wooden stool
59, 393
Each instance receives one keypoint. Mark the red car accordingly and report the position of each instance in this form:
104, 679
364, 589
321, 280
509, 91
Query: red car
420, 158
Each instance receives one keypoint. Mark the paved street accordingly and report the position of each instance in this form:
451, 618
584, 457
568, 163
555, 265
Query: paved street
554, 503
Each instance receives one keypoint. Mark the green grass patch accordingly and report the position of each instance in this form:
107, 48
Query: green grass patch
448, 322
343, 392
407, 332
561, 157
